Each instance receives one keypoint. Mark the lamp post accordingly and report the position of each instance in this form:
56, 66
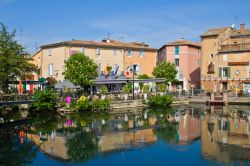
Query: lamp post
192, 86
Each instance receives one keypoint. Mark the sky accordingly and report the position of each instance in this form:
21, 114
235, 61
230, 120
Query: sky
155, 22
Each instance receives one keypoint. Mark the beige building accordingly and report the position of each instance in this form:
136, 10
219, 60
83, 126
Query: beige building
225, 59
105, 53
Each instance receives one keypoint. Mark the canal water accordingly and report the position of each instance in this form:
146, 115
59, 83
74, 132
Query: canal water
183, 135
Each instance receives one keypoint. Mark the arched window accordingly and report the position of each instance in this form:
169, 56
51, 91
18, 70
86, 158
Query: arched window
210, 68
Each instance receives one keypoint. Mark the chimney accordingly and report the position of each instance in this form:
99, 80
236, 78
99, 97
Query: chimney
242, 28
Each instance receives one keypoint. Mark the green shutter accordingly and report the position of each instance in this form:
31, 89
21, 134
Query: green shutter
228, 72
220, 70
176, 50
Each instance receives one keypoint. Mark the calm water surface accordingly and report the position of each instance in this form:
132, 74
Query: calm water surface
186, 135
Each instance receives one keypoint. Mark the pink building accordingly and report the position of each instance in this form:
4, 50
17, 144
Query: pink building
186, 56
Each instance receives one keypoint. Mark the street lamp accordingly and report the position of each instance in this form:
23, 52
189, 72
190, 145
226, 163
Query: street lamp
192, 86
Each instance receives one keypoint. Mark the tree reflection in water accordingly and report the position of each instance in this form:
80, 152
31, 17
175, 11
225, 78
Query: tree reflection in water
82, 146
12, 152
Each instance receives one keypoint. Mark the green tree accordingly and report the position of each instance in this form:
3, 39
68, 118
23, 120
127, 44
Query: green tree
44, 100
14, 61
165, 70
80, 70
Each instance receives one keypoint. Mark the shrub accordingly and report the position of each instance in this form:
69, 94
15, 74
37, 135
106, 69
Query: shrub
158, 100
145, 88
126, 88
161, 87
101, 104
103, 90
83, 105
44, 100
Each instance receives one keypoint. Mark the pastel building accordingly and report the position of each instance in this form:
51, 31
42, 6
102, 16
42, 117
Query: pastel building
186, 56
225, 59
118, 55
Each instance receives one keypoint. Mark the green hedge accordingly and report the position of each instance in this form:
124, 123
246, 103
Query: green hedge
158, 100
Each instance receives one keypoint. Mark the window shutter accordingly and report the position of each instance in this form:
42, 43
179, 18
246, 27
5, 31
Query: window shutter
220, 72
228, 72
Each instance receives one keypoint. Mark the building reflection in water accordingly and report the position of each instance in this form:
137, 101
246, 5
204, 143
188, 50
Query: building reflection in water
223, 133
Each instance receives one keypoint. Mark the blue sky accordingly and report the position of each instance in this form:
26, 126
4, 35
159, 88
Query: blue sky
152, 21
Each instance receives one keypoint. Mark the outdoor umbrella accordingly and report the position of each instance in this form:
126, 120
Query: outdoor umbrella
66, 84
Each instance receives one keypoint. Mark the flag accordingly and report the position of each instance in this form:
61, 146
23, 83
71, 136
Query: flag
127, 71
116, 70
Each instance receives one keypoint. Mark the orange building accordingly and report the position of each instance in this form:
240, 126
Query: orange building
141, 59
36, 60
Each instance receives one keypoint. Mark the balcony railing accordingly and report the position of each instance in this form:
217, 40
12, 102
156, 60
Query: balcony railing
235, 47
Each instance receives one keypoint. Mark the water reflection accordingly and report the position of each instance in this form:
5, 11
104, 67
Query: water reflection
223, 133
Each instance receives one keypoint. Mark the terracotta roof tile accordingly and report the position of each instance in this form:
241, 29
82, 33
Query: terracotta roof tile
104, 43
183, 42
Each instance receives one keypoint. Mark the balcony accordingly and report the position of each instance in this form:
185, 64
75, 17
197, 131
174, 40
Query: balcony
235, 47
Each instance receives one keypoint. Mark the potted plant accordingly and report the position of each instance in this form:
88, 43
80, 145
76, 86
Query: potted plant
145, 91
126, 89
103, 90
161, 88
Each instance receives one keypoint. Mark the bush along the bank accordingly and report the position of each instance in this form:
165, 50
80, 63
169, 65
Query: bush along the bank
100, 104
159, 101
83, 104
44, 100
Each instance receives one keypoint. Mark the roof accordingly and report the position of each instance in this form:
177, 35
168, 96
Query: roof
102, 44
237, 33
182, 42
213, 32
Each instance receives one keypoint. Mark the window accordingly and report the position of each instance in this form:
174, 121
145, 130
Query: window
50, 52
82, 50
176, 50
210, 69
129, 52
50, 69
97, 51
141, 53
114, 51
177, 62
224, 72
211, 55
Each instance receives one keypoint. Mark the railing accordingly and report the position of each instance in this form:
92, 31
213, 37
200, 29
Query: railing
235, 47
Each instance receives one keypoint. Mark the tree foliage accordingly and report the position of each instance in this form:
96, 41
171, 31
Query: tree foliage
165, 70
44, 100
14, 61
80, 70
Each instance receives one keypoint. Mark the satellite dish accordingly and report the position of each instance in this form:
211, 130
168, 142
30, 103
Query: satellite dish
233, 26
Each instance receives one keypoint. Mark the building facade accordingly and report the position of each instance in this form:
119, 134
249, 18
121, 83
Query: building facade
186, 56
225, 59
105, 53
36, 60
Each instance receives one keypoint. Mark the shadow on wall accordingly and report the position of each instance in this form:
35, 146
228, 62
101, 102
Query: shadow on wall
195, 77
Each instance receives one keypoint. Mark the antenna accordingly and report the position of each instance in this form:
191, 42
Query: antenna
36, 47
108, 35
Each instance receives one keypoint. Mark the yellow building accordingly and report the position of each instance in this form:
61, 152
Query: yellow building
225, 59
105, 53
